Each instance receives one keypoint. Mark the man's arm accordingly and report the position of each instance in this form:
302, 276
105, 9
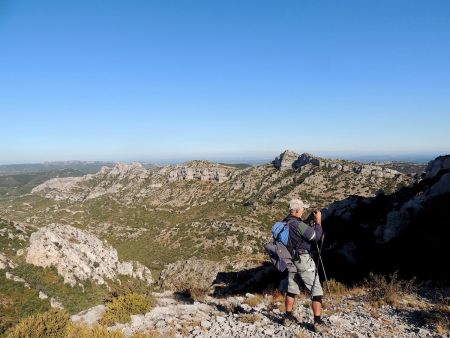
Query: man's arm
312, 233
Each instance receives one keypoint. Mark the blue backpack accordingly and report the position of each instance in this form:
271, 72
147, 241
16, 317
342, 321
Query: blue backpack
280, 232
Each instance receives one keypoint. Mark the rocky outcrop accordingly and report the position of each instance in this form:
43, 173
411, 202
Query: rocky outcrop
405, 231
202, 171
190, 274
286, 160
78, 256
439, 163
305, 159
90, 316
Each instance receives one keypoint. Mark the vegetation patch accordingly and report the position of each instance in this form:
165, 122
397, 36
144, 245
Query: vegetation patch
51, 324
82, 331
121, 308
48, 281
17, 302
388, 290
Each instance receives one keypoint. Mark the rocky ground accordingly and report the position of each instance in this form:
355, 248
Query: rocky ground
260, 316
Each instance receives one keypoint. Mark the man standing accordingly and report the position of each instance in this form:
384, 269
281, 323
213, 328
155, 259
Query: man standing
301, 237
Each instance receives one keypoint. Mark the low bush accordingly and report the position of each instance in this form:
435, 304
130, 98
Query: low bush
49, 324
121, 308
127, 286
382, 290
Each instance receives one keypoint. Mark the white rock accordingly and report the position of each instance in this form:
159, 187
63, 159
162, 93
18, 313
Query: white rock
79, 255
205, 324
56, 304
5, 262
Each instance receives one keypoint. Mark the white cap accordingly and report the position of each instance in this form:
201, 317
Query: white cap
297, 204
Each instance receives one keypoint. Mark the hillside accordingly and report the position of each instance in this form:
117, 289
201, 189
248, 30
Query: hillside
191, 208
197, 230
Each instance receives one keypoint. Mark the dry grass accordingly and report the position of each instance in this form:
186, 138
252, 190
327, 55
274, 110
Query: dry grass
382, 290
302, 335
188, 325
250, 318
254, 300
336, 288
76, 330
276, 300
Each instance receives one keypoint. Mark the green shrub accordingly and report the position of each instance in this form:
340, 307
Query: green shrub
127, 286
49, 324
121, 308
83, 331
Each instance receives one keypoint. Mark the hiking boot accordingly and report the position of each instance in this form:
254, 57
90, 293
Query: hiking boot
288, 319
320, 326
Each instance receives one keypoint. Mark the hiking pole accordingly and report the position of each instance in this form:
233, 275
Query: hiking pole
316, 272
323, 268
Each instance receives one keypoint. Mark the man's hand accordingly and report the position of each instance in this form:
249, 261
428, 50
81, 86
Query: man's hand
318, 217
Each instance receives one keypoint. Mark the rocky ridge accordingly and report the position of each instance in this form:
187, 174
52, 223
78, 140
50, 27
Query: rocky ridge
78, 256
170, 185
290, 160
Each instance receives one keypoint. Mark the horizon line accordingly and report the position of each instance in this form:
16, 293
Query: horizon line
351, 156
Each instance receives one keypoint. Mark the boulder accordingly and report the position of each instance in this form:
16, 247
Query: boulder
79, 255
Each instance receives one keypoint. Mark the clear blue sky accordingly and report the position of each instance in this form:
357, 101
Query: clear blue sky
137, 80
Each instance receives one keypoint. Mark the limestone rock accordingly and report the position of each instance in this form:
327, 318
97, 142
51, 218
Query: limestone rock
56, 304
307, 159
79, 255
285, 160
200, 170
90, 316
14, 278
439, 163
5, 262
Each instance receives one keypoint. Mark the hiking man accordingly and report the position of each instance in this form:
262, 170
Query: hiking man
301, 236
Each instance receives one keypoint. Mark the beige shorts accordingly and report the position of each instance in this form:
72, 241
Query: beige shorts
306, 271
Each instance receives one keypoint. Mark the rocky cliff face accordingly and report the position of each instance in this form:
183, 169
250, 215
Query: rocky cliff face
407, 230
438, 164
79, 256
